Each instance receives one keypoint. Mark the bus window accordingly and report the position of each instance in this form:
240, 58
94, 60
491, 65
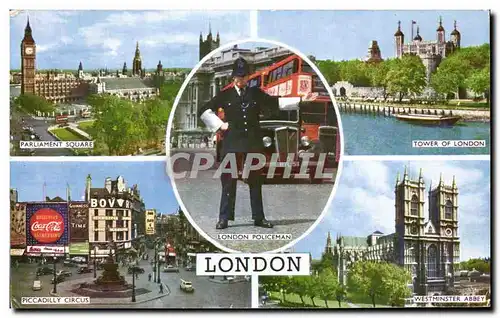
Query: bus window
306, 68
290, 68
278, 73
254, 82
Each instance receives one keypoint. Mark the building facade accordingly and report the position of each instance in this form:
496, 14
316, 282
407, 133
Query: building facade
431, 52
54, 89
116, 214
374, 54
214, 75
132, 88
427, 248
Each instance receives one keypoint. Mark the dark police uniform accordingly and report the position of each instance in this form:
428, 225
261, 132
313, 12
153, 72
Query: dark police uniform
242, 109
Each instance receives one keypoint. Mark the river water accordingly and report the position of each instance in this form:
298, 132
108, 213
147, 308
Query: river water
379, 135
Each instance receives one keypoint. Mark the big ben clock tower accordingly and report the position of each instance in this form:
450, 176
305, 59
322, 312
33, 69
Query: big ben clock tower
28, 56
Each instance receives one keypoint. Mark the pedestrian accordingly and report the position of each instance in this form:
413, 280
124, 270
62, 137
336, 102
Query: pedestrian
242, 107
149, 277
161, 288
137, 275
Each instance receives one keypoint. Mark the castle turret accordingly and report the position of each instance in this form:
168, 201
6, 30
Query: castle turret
417, 37
455, 35
399, 38
440, 32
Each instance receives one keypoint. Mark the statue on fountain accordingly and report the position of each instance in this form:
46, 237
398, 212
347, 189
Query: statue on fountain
111, 276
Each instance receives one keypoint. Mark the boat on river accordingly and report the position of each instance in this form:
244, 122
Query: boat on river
431, 120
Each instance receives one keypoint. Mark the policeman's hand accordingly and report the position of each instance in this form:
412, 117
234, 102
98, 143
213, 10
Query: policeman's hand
224, 126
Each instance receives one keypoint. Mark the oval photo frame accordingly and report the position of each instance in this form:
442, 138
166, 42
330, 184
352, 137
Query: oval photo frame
169, 168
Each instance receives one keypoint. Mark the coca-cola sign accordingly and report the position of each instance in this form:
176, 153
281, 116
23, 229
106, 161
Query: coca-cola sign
46, 225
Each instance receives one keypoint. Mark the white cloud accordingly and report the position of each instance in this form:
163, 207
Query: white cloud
45, 47
373, 175
65, 40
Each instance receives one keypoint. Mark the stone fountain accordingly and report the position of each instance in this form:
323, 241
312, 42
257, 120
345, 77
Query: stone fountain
110, 284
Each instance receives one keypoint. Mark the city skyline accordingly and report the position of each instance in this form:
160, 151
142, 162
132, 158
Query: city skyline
101, 39
349, 33
364, 202
154, 185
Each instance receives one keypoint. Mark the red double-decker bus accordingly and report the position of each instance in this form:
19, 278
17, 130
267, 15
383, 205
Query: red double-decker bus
293, 77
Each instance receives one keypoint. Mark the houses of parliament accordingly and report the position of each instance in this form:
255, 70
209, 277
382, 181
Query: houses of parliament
63, 88
428, 248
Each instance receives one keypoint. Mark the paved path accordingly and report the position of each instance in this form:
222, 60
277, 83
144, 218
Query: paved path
293, 208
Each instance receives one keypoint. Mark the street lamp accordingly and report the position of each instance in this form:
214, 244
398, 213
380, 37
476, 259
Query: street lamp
54, 291
158, 268
133, 283
155, 262
95, 265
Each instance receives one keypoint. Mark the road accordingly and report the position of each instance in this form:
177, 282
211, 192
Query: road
292, 208
207, 294
40, 127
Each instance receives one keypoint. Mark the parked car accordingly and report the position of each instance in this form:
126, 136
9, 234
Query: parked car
84, 269
135, 269
170, 269
186, 286
190, 268
64, 273
44, 271
37, 285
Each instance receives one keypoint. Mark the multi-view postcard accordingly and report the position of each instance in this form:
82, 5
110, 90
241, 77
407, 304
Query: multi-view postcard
238, 160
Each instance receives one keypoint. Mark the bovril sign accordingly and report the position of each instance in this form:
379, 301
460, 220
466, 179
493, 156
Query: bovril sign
109, 203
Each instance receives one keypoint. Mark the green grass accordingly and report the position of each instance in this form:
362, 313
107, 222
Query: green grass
87, 126
65, 134
294, 299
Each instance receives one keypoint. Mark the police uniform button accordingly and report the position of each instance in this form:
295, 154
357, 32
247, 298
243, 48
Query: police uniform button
246, 129
244, 116
245, 123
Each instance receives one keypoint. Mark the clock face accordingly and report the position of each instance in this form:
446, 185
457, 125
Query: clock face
414, 230
448, 232
29, 50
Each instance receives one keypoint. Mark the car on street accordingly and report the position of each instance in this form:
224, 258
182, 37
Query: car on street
59, 279
186, 286
69, 263
37, 285
64, 273
135, 269
190, 268
79, 259
84, 269
44, 271
170, 269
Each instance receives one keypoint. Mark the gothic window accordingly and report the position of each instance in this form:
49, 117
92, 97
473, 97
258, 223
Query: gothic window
448, 210
432, 261
414, 205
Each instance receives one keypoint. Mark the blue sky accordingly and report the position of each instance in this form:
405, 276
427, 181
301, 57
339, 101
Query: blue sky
107, 38
343, 35
153, 183
364, 202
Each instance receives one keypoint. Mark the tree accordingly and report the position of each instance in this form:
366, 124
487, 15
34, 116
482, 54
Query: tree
156, 113
119, 124
354, 72
382, 282
330, 70
406, 76
312, 288
33, 103
377, 72
328, 285
298, 285
479, 82
450, 76
326, 263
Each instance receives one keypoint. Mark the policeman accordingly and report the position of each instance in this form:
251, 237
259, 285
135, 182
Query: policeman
243, 106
